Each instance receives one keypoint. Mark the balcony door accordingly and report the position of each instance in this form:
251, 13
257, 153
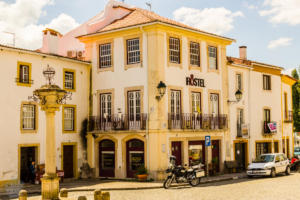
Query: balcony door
175, 108
105, 110
214, 104
240, 121
134, 109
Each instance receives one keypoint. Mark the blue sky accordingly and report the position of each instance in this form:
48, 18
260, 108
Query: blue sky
250, 27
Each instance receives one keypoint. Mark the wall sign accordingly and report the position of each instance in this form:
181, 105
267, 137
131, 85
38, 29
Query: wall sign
194, 81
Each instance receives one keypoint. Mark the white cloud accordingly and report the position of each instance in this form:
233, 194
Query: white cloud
215, 20
282, 11
280, 42
250, 6
21, 18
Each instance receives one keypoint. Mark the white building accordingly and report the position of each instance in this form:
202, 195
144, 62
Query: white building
267, 99
22, 121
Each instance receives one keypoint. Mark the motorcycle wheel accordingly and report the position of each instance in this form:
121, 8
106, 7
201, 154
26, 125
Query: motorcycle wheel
194, 182
167, 182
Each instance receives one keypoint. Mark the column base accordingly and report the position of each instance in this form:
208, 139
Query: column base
50, 187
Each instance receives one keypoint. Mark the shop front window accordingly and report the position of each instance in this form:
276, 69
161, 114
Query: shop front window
195, 154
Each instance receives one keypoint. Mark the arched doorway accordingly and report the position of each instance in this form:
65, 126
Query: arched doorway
106, 158
135, 156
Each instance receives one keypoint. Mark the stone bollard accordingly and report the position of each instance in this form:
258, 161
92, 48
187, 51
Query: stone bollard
82, 198
63, 192
97, 194
23, 195
105, 195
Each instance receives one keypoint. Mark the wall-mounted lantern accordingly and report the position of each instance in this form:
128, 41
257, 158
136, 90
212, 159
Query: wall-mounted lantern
238, 96
161, 87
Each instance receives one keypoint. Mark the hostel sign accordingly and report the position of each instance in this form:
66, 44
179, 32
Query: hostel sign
194, 81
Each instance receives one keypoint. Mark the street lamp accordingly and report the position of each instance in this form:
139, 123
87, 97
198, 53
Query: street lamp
238, 96
50, 97
161, 87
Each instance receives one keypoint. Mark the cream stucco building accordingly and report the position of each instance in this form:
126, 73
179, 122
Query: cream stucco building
22, 121
151, 87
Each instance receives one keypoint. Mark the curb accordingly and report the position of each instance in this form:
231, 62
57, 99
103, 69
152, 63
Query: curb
31, 192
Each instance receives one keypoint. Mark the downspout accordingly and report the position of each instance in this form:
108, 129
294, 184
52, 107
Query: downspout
249, 116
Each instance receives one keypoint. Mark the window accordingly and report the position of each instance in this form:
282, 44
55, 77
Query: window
239, 82
105, 55
133, 51
69, 80
214, 104
105, 108
69, 118
262, 148
194, 53
28, 117
174, 50
24, 74
285, 106
267, 115
266, 82
196, 102
212, 57
240, 115
176, 103
134, 105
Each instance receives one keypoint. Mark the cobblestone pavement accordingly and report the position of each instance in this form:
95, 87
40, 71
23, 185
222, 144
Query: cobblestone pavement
281, 187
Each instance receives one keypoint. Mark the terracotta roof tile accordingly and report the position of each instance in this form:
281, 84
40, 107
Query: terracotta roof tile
140, 16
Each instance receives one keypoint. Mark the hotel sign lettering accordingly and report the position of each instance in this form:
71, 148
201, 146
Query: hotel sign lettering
194, 81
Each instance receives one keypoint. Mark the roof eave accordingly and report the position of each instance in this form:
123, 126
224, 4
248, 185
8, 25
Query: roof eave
156, 22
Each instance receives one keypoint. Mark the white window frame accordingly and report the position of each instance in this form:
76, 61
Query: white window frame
29, 116
69, 117
239, 82
175, 102
106, 105
133, 51
134, 105
195, 54
174, 50
213, 57
196, 102
105, 55
24, 74
69, 80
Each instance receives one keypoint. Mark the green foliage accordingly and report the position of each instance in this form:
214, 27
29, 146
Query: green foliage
141, 170
83, 133
296, 100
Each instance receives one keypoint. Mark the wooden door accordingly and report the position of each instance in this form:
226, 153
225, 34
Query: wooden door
216, 154
135, 157
107, 158
68, 161
240, 154
28, 155
176, 151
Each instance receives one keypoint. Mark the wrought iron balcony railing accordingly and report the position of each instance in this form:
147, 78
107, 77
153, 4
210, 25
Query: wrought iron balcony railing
269, 127
197, 121
288, 116
118, 122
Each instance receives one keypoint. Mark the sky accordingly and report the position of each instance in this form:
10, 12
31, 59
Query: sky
269, 28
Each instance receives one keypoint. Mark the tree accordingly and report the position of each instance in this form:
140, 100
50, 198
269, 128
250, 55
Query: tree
296, 100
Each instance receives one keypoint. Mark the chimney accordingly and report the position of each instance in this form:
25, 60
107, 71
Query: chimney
50, 41
243, 52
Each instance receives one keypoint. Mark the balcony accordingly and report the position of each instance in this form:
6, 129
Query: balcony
269, 127
242, 130
118, 122
288, 118
197, 121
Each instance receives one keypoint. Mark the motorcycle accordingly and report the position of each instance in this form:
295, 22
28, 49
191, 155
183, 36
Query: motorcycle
180, 174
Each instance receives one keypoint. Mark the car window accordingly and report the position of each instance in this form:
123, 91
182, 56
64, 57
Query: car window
277, 159
282, 158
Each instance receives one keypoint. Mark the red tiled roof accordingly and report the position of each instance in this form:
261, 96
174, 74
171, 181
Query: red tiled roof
249, 62
138, 16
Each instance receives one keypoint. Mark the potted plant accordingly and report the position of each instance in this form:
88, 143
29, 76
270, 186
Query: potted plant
142, 173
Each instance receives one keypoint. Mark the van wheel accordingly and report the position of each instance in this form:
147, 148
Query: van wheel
273, 173
288, 171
